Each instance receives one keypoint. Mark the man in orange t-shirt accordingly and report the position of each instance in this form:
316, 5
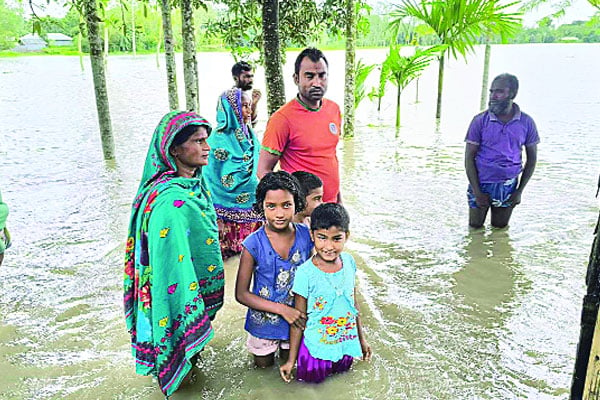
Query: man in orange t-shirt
304, 133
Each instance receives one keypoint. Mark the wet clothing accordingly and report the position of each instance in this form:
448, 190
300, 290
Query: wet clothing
306, 140
499, 193
231, 173
272, 280
173, 281
314, 370
500, 144
331, 329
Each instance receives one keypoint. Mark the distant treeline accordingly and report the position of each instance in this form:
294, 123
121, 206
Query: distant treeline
148, 30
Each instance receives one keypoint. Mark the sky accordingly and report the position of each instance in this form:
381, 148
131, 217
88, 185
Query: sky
579, 10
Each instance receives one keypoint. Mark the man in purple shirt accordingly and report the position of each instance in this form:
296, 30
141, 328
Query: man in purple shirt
493, 161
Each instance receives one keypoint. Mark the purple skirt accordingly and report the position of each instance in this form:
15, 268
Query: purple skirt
314, 370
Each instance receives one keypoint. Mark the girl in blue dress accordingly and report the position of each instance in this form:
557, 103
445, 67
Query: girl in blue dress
269, 260
325, 291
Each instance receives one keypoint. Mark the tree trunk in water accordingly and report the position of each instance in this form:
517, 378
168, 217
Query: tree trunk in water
350, 86
190, 66
589, 314
398, 107
105, 26
169, 54
91, 17
275, 85
79, 40
158, 44
438, 112
133, 26
417, 92
486, 74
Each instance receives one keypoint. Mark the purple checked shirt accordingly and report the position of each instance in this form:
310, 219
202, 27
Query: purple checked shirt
500, 145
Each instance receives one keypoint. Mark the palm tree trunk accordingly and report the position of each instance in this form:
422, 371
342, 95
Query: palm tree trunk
417, 91
79, 47
158, 44
92, 18
438, 112
272, 53
190, 66
486, 74
398, 107
133, 47
165, 8
106, 46
350, 86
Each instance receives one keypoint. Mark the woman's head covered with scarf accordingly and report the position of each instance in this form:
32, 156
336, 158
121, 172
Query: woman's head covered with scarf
160, 163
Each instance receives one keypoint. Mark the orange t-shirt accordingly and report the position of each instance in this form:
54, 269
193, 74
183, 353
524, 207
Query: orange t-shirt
306, 140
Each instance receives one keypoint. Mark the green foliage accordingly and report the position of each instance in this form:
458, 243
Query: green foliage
379, 91
13, 26
460, 23
402, 70
362, 73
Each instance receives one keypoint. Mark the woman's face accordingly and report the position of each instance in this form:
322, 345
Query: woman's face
246, 108
193, 153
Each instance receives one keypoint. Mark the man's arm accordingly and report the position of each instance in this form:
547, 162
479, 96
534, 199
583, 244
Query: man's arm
482, 199
266, 163
531, 152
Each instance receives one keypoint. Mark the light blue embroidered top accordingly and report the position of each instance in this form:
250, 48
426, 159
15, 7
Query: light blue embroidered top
272, 280
331, 330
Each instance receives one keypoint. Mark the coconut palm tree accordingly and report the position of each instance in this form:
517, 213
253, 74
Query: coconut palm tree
402, 70
458, 24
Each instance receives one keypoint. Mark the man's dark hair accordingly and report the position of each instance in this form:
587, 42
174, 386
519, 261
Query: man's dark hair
313, 54
240, 66
511, 81
328, 215
308, 182
280, 180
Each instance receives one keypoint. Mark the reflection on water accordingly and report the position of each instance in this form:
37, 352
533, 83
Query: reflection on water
486, 281
450, 314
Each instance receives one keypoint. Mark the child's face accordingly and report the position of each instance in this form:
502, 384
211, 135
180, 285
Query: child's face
313, 200
279, 209
329, 243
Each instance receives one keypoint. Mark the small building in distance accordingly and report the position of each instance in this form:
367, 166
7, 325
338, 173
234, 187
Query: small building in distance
30, 42
59, 39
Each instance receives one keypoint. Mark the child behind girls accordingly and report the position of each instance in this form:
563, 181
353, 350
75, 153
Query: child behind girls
269, 259
312, 186
324, 289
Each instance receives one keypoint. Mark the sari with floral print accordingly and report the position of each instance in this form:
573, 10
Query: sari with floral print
231, 173
173, 281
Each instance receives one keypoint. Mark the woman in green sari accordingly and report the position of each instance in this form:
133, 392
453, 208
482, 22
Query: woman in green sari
231, 175
173, 266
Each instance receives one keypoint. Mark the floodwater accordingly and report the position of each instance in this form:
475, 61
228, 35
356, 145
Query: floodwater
449, 313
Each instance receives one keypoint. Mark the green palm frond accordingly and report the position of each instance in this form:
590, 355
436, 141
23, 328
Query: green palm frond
404, 69
459, 23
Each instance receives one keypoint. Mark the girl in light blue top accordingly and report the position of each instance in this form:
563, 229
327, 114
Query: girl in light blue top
324, 289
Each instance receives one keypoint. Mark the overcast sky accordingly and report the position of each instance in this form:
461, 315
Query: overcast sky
579, 10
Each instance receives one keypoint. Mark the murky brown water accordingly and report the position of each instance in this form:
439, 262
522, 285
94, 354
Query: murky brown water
450, 314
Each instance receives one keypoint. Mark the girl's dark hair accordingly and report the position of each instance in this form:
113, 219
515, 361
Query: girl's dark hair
308, 182
327, 215
185, 134
279, 180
